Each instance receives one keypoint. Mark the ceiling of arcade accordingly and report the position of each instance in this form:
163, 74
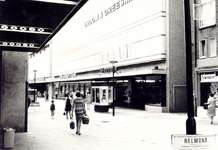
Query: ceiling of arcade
27, 25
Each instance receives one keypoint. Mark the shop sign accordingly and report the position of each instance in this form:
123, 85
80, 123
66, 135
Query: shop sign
207, 76
67, 75
108, 70
193, 142
41, 79
107, 11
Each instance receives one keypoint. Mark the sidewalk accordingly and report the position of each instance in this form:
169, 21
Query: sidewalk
128, 130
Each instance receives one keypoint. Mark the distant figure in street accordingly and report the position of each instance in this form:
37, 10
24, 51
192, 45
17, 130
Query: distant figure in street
79, 107
128, 97
211, 111
88, 100
29, 101
52, 108
68, 107
56, 94
46, 96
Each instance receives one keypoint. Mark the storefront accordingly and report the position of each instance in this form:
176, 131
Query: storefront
207, 83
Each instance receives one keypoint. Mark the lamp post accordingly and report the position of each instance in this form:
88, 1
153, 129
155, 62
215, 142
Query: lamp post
34, 100
113, 63
190, 122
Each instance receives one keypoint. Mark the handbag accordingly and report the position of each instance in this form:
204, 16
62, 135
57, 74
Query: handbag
72, 125
85, 119
205, 106
64, 113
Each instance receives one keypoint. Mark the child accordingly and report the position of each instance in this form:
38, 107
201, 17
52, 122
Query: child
52, 108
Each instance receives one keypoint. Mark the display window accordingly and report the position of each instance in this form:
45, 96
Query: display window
102, 95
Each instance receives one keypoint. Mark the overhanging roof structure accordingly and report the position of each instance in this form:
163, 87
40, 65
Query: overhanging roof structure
27, 25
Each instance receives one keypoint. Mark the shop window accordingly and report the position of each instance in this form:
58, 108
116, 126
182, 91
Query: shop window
207, 13
149, 90
212, 47
202, 52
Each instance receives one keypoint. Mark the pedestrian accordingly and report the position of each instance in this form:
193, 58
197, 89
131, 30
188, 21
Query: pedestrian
211, 111
56, 94
88, 100
44, 94
29, 101
47, 97
128, 97
78, 107
52, 108
68, 107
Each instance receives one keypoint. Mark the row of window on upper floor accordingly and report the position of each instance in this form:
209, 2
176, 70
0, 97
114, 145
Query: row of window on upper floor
205, 12
207, 48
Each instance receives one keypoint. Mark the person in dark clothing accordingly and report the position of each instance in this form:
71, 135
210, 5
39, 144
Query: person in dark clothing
68, 107
52, 108
29, 101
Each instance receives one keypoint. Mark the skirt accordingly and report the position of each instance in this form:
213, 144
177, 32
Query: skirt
211, 111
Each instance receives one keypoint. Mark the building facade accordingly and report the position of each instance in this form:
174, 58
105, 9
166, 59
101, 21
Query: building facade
206, 67
146, 38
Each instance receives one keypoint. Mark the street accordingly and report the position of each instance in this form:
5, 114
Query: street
128, 130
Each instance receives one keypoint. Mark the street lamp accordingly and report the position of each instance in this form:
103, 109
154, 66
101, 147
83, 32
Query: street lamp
113, 70
34, 85
190, 122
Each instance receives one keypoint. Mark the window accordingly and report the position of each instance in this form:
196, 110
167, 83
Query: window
104, 52
212, 47
117, 53
202, 51
207, 13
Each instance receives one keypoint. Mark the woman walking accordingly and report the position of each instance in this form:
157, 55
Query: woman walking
211, 111
79, 107
88, 100
68, 107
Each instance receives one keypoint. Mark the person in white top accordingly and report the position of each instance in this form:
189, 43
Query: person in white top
211, 111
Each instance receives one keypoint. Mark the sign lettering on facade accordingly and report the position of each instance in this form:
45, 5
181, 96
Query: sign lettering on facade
67, 75
207, 76
107, 11
107, 70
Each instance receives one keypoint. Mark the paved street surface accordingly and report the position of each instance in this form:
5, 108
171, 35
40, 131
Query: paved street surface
128, 130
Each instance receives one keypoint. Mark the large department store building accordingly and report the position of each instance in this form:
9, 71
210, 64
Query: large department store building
145, 37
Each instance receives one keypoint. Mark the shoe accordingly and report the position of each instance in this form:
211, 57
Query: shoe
211, 122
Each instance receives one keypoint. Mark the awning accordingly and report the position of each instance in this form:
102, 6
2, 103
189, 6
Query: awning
28, 25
